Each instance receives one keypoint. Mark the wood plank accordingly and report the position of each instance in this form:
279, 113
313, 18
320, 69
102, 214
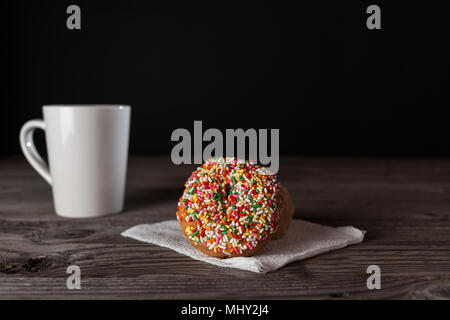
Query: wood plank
403, 204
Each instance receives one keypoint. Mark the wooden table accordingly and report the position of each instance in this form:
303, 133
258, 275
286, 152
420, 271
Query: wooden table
403, 204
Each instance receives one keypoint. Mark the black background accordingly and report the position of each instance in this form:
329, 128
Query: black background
314, 70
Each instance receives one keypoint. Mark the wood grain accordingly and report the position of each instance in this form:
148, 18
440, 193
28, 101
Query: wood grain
403, 204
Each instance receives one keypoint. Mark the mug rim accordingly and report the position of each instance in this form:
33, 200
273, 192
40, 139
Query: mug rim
88, 106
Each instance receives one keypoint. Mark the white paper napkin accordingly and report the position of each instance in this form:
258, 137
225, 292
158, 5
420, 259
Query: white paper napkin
304, 240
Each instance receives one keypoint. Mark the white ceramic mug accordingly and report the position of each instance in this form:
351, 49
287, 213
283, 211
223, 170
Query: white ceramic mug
87, 147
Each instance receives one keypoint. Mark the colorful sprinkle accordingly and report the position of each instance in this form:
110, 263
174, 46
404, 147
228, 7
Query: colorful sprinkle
234, 204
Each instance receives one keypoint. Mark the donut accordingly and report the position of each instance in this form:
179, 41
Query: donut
231, 208
286, 213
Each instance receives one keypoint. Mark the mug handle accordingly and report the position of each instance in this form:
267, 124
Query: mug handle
29, 149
